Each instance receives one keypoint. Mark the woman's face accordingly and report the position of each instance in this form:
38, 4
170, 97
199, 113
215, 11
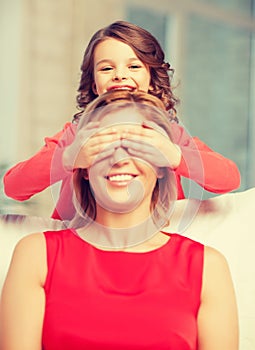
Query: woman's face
116, 66
120, 182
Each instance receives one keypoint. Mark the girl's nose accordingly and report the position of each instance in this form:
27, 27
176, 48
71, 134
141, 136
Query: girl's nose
120, 74
120, 156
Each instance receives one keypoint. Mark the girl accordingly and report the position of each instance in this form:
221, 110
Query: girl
121, 56
103, 287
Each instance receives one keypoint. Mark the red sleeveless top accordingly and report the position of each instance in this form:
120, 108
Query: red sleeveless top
112, 300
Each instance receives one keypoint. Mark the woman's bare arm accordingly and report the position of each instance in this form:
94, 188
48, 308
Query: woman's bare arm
218, 317
22, 300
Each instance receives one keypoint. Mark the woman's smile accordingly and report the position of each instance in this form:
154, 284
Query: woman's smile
121, 179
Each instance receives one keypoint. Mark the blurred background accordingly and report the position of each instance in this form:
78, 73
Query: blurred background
209, 43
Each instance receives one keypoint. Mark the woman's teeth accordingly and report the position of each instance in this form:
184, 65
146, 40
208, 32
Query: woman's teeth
120, 177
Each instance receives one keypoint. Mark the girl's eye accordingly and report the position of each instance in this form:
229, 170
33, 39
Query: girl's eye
135, 66
105, 69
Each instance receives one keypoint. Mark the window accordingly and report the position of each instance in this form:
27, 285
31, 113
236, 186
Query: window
213, 55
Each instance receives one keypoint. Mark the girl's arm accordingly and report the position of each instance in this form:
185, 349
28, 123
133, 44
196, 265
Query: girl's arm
200, 163
31, 176
22, 300
217, 317
187, 155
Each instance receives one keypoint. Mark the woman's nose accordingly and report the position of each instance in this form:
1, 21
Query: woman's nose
120, 156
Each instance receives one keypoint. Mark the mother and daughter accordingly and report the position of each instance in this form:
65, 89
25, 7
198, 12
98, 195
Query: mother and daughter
114, 279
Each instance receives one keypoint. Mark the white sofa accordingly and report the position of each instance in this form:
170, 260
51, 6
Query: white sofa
227, 222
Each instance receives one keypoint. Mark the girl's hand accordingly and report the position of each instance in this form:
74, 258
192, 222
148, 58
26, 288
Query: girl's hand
91, 144
151, 143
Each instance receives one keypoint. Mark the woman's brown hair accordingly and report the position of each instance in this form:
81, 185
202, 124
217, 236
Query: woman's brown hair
152, 109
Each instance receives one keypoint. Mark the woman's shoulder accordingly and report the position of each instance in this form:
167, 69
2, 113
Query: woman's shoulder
214, 257
216, 268
29, 257
32, 240
30, 249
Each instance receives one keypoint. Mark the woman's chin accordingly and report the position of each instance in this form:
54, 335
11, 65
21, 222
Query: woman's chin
120, 205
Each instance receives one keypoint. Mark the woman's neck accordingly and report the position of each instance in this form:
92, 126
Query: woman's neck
125, 220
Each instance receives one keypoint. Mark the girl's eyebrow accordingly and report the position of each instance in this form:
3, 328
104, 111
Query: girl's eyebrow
105, 60
110, 60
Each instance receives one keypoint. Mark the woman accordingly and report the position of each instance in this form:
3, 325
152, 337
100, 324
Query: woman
118, 281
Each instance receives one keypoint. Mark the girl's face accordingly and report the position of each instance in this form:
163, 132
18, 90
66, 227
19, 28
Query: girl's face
121, 183
116, 66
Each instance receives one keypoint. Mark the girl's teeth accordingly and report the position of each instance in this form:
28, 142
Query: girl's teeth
124, 88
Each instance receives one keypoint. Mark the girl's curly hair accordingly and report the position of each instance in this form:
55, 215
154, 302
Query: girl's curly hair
146, 48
